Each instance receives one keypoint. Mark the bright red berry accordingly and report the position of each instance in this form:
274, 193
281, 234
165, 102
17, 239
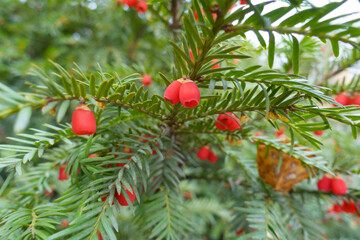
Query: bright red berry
356, 100
217, 65
343, 99
64, 224
337, 208
99, 235
349, 207
172, 92
62, 173
142, 8
242, 2
338, 186
280, 132
189, 94
318, 133
83, 121
131, 3
227, 121
203, 153
324, 184
212, 157
146, 80
122, 200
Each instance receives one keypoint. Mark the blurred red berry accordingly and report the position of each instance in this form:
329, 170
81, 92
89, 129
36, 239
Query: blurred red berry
280, 132
142, 8
342, 98
242, 2
349, 206
215, 66
212, 157
131, 3
189, 94
318, 133
83, 121
356, 100
240, 231
122, 200
324, 184
146, 80
62, 173
99, 235
64, 223
172, 92
203, 153
338, 186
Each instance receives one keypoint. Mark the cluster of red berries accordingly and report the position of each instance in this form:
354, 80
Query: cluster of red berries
205, 153
227, 121
183, 90
336, 185
346, 207
121, 198
345, 99
141, 6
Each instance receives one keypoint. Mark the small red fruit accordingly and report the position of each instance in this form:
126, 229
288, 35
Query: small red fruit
227, 121
203, 153
342, 98
122, 200
99, 235
83, 121
212, 157
240, 231
64, 224
242, 2
280, 132
62, 173
324, 184
131, 3
221, 122
189, 94
172, 92
142, 8
338, 186
356, 100
318, 133
349, 207
337, 208
217, 65
47, 193
146, 80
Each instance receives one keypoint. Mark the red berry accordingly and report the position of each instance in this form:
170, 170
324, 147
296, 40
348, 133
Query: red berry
142, 8
240, 231
343, 99
122, 200
99, 235
337, 208
217, 65
356, 100
189, 94
64, 224
212, 157
242, 2
131, 3
172, 92
324, 184
147, 80
349, 207
318, 133
203, 153
227, 121
62, 173
280, 132
47, 193
83, 121
338, 186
